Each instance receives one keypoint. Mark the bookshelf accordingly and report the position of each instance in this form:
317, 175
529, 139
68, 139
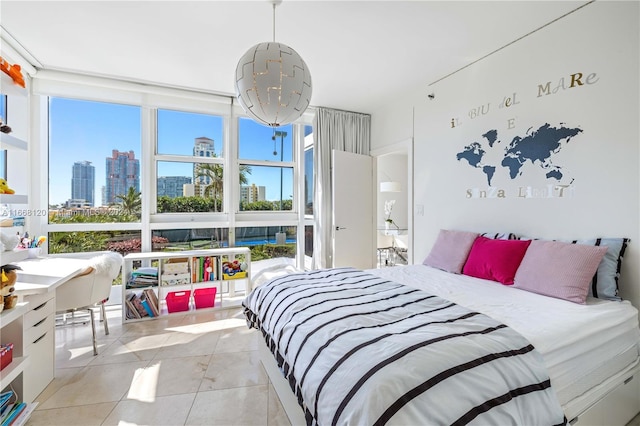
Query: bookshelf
157, 284
11, 377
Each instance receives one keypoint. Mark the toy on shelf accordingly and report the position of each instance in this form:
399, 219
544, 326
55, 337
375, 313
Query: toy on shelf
8, 242
9, 278
3, 127
234, 269
4, 187
14, 71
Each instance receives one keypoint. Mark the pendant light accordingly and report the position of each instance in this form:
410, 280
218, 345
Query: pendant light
273, 83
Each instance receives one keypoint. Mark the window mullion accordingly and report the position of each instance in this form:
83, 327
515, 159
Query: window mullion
147, 174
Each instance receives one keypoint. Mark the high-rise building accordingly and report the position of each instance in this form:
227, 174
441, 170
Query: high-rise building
252, 193
202, 147
83, 181
122, 173
172, 186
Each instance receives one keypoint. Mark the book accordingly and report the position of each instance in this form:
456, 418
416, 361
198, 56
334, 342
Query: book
15, 411
132, 311
137, 304
145, 304
6, 412
153, 301
4, 400
26, 413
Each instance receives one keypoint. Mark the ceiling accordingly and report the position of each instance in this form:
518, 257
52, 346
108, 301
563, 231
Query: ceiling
360, 53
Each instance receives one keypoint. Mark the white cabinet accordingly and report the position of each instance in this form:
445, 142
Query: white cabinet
39, 343
11, 325
161, 283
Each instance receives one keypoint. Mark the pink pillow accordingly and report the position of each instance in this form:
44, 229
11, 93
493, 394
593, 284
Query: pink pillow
559, 269
450, 250
495, 260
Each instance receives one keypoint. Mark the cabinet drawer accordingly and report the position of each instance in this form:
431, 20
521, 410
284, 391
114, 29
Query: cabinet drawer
39, 311
41, 367
33, 333
38, 299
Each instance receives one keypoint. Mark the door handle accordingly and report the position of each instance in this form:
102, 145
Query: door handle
340, 227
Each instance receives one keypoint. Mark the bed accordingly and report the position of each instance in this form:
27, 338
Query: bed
419, 345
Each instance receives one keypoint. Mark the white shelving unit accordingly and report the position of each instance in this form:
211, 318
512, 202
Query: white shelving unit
10, 142
179, 279
12, 376
32, 365
9, 88
13, 256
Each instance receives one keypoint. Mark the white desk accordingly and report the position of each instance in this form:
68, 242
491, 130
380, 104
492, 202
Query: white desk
36, 284
44, 275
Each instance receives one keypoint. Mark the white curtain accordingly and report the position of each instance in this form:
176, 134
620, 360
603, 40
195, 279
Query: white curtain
342, 131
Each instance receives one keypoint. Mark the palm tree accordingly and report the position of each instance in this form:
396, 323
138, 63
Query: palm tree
214, 175
131, 202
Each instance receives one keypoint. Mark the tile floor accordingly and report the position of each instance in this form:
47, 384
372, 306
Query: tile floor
197, 368
184, 369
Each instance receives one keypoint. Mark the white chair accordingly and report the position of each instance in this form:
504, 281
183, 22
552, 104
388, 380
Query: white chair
385, 250
89, 289
401, 246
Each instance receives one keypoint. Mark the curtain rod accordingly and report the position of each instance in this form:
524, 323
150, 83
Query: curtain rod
344, 110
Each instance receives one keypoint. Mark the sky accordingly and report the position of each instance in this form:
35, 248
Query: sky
90, 131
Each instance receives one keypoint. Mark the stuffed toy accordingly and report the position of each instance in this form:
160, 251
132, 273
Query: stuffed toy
4, 187
3, 127
9, 278
9, 242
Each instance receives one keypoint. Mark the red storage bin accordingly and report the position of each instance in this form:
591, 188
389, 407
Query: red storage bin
6, 355
178, 301
204, 297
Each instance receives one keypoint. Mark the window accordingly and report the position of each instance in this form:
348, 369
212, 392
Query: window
309, 192
190, 134
187, 187
3, 152
268, 242
94, 161
190, 239
124, 242
266, 167
108, 191
308, 170
194, 180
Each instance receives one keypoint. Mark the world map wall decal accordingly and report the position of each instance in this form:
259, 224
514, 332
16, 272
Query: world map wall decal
537, 147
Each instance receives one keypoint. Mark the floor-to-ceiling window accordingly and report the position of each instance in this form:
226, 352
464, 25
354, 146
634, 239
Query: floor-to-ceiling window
171, 173
94, 197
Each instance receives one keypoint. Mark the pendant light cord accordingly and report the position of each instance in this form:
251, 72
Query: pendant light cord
274, 22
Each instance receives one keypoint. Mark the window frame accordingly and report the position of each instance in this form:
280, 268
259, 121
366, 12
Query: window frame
151, 98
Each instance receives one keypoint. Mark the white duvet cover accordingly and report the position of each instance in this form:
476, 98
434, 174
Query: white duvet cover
358, 349
576, 341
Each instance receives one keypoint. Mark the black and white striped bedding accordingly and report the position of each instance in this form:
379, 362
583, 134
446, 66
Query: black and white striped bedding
359, 350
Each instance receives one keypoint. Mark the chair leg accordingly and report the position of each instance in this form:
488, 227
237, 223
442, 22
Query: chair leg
104, 318
93, 330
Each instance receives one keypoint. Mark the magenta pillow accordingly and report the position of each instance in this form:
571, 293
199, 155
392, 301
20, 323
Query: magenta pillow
495, 260
560, 270
450, 250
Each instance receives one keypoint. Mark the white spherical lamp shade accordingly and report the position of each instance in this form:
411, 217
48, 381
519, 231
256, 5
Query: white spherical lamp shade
273, 84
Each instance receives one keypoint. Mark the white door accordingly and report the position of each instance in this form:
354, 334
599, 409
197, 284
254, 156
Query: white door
353, 218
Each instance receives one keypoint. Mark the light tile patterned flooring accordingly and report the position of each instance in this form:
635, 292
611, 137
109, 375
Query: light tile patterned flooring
197, 368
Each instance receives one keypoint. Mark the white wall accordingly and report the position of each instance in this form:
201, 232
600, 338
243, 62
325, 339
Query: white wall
601, 163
